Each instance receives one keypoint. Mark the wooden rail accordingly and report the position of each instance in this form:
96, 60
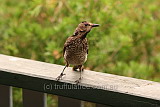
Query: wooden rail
100, 88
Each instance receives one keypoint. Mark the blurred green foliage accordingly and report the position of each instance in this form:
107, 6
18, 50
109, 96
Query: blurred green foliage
127, 42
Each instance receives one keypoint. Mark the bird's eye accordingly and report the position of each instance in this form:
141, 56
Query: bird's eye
86, 24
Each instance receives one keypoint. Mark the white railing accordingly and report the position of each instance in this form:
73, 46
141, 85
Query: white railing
37, 78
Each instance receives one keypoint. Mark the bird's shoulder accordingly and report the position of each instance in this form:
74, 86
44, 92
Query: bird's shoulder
69, 41
73, 40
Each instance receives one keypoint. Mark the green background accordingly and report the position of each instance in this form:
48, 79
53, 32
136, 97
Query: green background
127, 42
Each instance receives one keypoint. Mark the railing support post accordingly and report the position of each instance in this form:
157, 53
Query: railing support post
34, 99
6, 96
68, 102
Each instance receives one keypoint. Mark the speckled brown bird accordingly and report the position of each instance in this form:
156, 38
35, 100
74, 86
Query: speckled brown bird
75, 49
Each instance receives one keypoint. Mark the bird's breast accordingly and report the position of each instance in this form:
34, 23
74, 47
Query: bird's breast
76, 53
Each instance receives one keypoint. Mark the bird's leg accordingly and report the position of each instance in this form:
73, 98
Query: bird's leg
80, 69
60, 76
62, 73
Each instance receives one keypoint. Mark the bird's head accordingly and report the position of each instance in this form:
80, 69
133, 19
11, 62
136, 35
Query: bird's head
84, 27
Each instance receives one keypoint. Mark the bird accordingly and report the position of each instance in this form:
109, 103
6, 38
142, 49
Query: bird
76, 47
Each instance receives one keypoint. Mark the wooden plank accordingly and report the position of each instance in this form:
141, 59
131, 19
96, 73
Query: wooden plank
6, 96
95, 87
68, 102
34, 99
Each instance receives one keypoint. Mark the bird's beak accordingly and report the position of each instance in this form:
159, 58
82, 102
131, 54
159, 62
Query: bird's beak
94, 25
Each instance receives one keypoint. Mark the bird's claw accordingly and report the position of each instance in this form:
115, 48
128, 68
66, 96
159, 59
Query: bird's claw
78, 81
60, 76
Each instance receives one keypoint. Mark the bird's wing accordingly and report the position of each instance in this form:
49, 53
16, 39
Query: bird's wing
87, 46
67, 43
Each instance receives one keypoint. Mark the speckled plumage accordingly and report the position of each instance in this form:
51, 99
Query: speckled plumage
75, 49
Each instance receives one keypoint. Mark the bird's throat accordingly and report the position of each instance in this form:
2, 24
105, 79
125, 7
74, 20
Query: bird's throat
83, 35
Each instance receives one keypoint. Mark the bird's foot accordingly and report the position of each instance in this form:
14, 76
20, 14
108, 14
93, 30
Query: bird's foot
78, 81
60, 76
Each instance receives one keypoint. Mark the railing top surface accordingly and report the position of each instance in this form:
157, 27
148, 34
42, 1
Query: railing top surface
112, 89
